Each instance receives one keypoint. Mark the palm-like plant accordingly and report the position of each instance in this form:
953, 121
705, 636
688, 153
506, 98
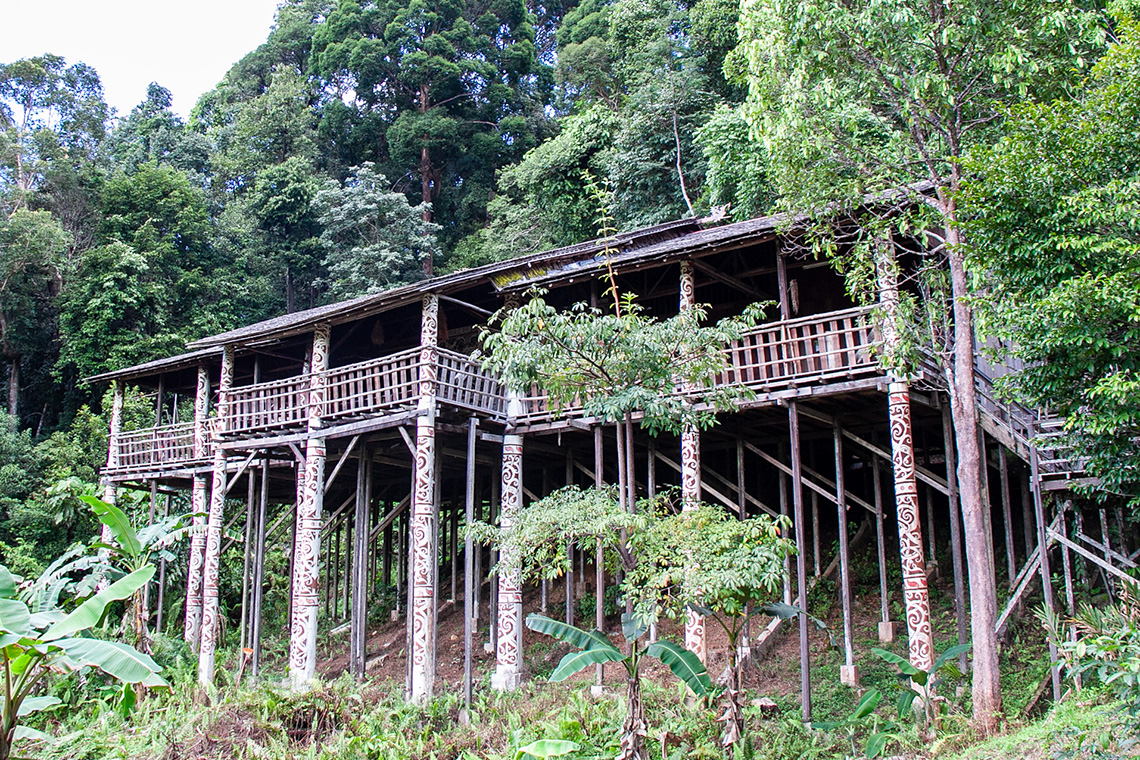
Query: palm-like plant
38, 637
595, 648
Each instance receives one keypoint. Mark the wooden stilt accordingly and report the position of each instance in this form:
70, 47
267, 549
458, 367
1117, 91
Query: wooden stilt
782, 485
469, 579
570, 574
1046, 573
956, 548
801, 564
306, 549
1067, 569
250, 516
1029, 529
198, 506
881, 546
508, 649
1007, 514
599, 555
741, 501
493, 592
160, 607
847, 674
453, 538
212, 559
815, 548
424, 523
931, 536
358, 633
259, 570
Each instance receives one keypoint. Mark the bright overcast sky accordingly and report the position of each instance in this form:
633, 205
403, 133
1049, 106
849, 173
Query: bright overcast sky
184, 45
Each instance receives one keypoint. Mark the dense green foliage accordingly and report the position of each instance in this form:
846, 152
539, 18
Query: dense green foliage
1053, 232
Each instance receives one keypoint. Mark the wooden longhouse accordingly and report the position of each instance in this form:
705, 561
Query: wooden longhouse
367, 428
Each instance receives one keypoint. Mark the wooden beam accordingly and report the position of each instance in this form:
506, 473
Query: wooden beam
340, 462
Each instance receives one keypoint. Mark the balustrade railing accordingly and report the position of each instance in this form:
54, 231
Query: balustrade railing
820, 348
267, 407
367, 387
156, 447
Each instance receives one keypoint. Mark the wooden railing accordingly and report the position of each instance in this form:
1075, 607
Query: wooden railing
267, 407
821, 348
817, 349
157, 447
365, 388
463, 383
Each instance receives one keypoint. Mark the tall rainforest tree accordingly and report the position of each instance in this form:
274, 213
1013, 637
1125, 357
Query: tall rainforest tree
447, 86
1052, 216
857, 98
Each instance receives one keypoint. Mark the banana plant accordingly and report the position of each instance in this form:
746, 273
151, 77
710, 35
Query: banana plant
134, 549
594, 648
41, 638
861, 718
922, 685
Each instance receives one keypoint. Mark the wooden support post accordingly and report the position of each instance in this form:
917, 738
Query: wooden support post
469, 579
1027, 525
815, 548
1110, 582
741, 501
508, 647
250, 516
950, 455
915, 595
695, 640
782, 484
881, 552
1067, 569
848, 675
422, 612
453, 549
358, 654
801, 562
570, 574
932, 566
159, 616
198, 506
259, 571
114, 433
306, 547
599, 555
1046, 573
211, 564
153, 508
1007, 514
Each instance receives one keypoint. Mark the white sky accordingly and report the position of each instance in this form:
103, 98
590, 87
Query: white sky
184, 45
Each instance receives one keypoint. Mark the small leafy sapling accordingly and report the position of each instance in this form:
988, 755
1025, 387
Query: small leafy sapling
861, 719
921, 686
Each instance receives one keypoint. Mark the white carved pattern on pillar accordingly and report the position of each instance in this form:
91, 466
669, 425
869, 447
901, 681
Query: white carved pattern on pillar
209, 632
198, 506
116, 429
915, 593
307, 546
508, 653
695, 640
423, 550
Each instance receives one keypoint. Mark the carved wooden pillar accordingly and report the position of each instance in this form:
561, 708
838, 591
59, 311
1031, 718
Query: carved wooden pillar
116, 428
915, 595
508, 647
210, 564
422, 536
307, 541
695, 640
198, 506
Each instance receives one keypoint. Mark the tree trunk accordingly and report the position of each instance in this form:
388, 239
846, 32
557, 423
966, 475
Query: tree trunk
290, 292
975, 515
635, 727
14, 391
